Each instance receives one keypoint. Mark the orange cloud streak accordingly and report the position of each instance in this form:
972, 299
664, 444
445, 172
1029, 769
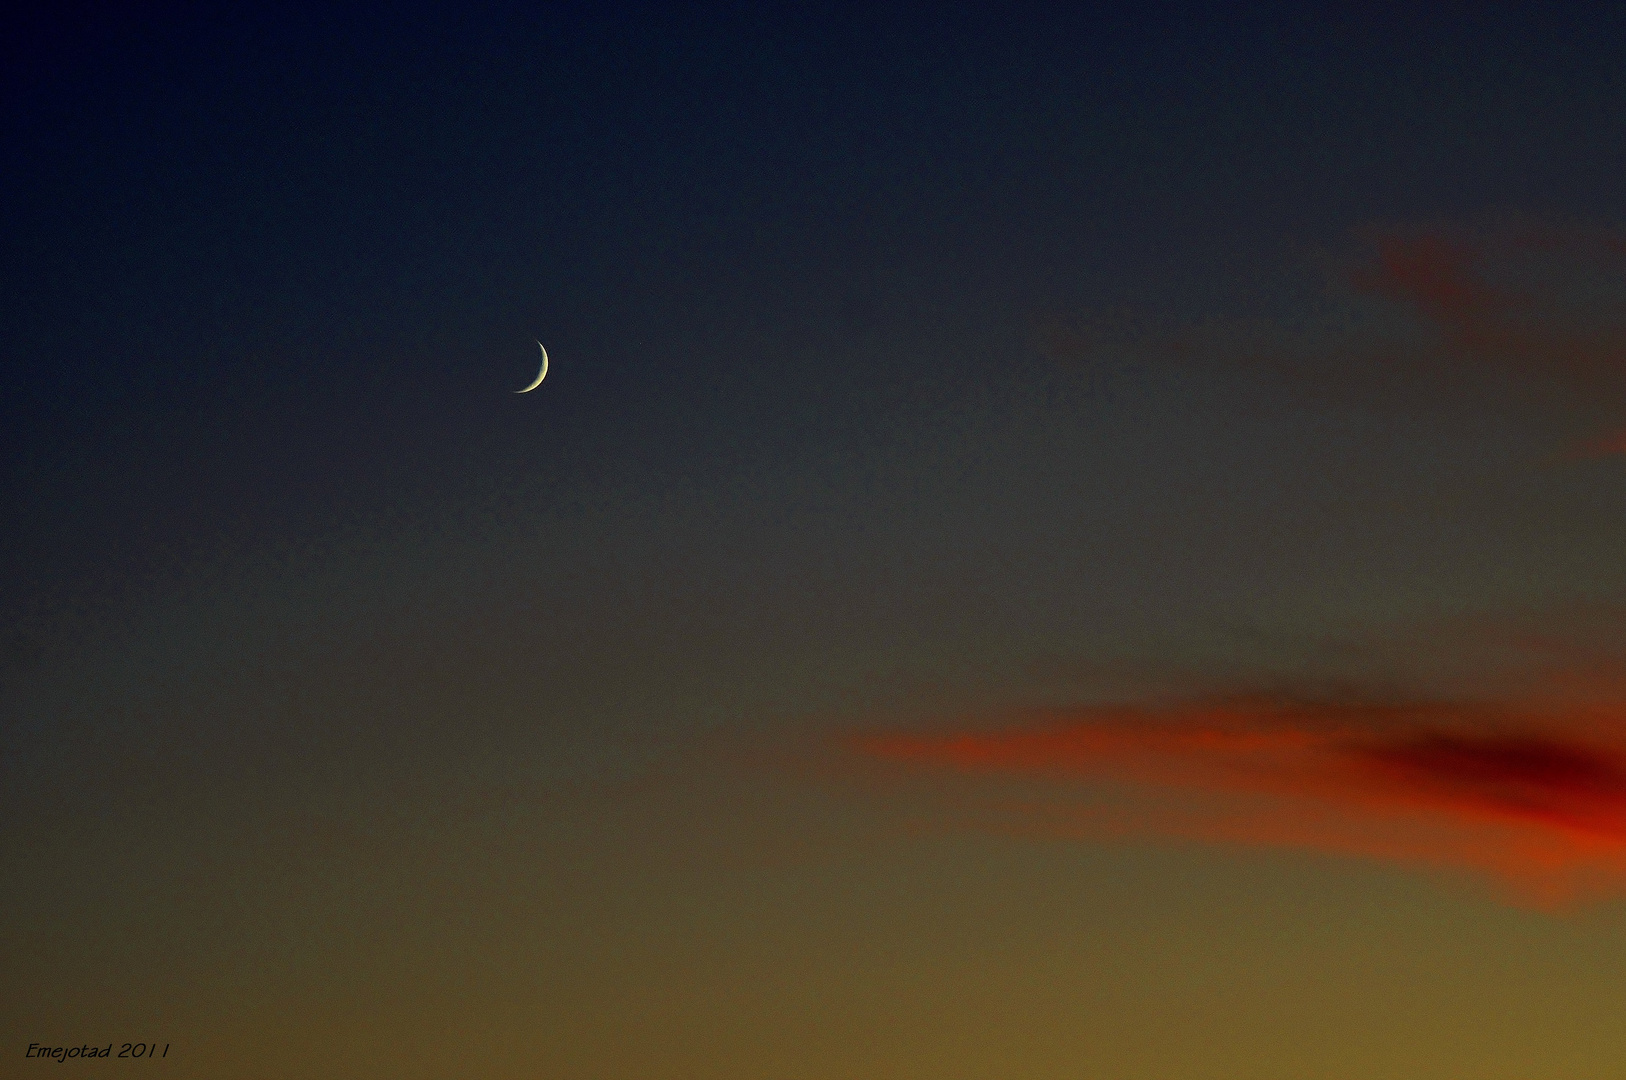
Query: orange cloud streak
1441, 784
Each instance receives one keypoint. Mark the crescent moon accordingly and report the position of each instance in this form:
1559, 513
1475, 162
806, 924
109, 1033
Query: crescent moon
539, 375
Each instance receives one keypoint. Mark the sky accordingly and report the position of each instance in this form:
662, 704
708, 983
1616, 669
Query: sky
1053, 543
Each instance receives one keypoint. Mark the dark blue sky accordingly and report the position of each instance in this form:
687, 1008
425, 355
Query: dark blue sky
268, 274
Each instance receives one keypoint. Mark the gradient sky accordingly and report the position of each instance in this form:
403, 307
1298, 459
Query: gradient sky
1054, 544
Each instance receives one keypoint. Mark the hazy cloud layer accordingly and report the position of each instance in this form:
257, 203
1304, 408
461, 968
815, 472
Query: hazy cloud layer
1528, 313
1536, 302
1542, 301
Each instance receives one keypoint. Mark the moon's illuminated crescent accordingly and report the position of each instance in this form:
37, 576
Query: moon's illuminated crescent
539, 375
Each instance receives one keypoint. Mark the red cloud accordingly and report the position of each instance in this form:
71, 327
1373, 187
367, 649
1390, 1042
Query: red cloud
1441, 784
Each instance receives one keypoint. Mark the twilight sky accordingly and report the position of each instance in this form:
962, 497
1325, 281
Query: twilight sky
1053, 544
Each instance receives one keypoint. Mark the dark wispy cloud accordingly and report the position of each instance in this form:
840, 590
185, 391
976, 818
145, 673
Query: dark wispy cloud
1604, 446
1535, 301
1541, 300
1530, 311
